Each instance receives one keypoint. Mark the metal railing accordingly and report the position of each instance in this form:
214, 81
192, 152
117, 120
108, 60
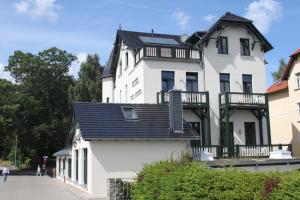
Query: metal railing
242, 151
167, 52
186, 97
238, 98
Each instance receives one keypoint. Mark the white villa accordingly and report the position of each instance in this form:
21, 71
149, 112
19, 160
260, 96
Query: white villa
164, 94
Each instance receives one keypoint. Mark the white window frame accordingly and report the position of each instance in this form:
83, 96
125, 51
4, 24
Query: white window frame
297, 80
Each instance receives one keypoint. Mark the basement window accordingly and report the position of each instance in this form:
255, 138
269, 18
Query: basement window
129, 113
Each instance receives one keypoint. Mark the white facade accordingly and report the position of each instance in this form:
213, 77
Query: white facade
139, 83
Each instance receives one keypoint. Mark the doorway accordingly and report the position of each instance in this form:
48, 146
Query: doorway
250, 135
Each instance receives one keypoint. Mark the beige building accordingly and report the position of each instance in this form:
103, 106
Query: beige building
284, 104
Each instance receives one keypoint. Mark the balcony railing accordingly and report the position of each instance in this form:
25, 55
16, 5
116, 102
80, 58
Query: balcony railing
186, 97
242, 151
235, 98
167, 52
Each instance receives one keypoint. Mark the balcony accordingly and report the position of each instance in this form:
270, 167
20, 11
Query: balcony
187, 98
167, 53
236, 99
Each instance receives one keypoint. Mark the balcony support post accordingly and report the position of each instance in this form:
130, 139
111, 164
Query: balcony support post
208, 130
261, 137
228, 134
268, 118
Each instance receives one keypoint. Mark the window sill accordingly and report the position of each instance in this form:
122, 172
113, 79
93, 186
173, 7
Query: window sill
224, 54
244, 56
297, 89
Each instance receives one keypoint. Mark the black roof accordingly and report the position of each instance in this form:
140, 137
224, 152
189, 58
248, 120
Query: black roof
133, 41
66, 151
100, 121
230, 17
107, 70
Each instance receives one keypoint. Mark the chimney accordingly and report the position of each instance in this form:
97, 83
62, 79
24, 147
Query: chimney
175, 112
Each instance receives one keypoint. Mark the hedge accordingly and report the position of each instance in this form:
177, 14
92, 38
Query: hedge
170, 180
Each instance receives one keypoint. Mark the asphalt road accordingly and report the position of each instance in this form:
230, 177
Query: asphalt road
35, 188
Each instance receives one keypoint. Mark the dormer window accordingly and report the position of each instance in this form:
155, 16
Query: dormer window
222, 44
129, 113
245, 48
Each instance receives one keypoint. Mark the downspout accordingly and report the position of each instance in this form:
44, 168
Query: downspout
201, 53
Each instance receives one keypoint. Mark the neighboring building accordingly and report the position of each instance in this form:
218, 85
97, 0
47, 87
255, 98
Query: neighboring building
284, 101
165, 94
224, 64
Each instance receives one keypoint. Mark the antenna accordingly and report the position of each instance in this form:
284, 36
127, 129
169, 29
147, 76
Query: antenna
120, 26
152, 31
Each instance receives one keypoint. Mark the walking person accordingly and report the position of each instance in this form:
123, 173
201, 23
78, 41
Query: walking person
38, 171
5, 173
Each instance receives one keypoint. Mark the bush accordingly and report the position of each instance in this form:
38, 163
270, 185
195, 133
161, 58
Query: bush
168, 180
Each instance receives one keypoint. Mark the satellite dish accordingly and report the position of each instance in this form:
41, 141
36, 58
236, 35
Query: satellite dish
184, 37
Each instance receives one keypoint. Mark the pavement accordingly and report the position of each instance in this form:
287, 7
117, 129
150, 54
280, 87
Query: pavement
26, 187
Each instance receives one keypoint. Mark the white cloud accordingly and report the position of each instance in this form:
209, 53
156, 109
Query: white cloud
209, 18
81, 57
181, 18
38, 8
4, 74
264, 13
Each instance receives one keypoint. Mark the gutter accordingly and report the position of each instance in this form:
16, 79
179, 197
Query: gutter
202, 65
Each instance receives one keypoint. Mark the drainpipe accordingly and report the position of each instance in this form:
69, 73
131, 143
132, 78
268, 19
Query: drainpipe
201, 53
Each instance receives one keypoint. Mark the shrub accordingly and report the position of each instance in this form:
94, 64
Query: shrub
178, 180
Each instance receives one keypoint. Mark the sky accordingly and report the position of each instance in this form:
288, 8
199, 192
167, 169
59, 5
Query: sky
88, 27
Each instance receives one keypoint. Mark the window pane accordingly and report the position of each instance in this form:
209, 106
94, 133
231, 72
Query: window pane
224, 83
167, 80
192, 82
223, 45
129, 113
247, 83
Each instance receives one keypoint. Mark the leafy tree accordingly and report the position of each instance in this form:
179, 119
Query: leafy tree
88, 87
43, 112
277, 74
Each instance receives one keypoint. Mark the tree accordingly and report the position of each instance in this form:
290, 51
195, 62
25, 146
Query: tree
43, 116
277, 74
88, 87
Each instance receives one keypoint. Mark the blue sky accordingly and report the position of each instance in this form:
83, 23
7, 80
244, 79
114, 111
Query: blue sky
83, 27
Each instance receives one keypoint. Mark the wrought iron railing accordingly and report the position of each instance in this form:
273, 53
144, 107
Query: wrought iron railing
167, 52
237, 98
186, 97
242, 151
120, 188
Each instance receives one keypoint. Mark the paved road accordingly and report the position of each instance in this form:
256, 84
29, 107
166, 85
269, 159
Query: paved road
35, 188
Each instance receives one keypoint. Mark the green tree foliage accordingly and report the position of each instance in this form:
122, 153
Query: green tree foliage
277, 74
88, 87
40, 111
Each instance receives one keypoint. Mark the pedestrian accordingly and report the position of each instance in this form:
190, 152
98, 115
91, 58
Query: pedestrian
38, 171
5, 173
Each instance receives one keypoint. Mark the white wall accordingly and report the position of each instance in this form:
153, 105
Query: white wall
123, 159
107, 89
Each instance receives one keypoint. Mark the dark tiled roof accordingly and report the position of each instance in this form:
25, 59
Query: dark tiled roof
107, 70
132, 40
106, 121
64, 151
229, 17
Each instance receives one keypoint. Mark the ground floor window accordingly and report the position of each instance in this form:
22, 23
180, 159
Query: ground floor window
85, 166
76, 165
69, 167
250, 135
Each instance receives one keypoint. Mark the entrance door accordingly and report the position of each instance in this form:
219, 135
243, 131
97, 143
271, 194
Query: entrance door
196, 127
250, 135
223, 136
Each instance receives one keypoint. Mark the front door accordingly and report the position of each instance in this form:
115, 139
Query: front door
250, 135
223, 136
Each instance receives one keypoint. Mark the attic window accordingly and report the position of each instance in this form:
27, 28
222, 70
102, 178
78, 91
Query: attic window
129, 113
